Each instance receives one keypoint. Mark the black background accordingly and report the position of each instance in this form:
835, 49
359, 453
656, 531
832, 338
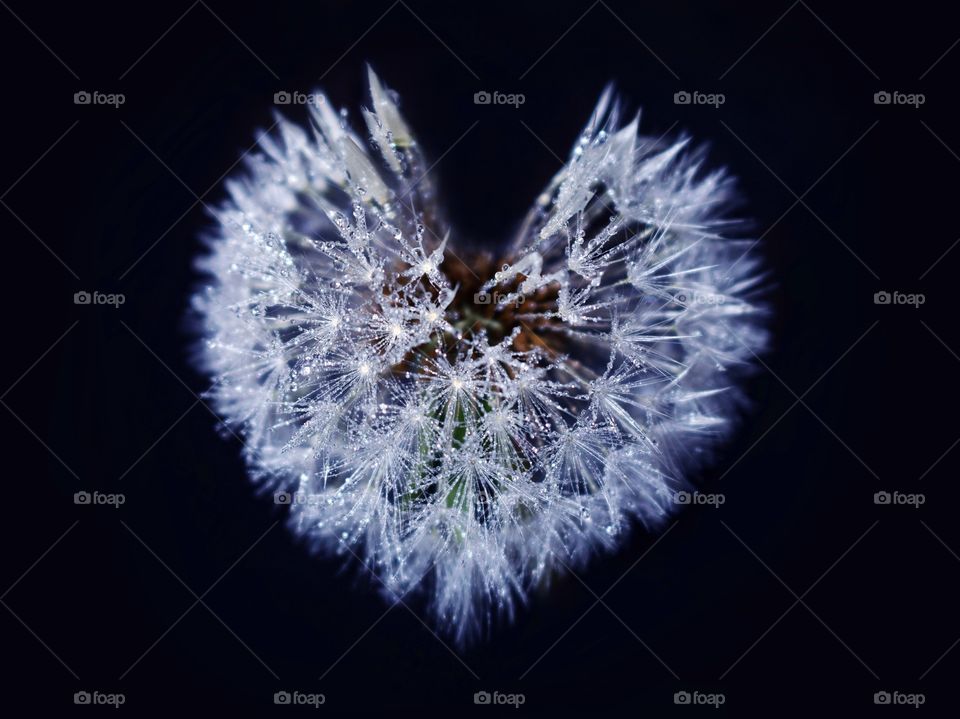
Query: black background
113, 405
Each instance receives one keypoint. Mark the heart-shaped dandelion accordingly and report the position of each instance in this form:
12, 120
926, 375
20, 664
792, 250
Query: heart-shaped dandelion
464, 420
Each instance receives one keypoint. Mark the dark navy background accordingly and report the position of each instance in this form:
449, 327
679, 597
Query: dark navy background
113, 405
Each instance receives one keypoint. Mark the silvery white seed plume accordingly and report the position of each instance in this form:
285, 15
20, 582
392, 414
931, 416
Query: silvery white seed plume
459, 419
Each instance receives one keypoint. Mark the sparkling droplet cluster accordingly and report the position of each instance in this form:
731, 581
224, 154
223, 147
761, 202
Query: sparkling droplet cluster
472, 422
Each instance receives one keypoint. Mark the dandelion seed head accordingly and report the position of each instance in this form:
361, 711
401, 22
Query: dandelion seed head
468, 422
